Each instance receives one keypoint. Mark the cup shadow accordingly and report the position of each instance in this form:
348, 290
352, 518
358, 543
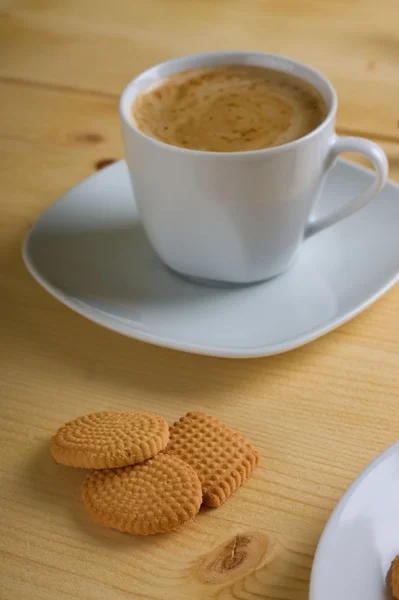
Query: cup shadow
114, 264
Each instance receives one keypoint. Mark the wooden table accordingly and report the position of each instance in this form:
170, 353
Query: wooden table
318, 415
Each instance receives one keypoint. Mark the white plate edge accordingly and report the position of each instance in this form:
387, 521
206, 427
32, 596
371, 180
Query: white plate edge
336, 513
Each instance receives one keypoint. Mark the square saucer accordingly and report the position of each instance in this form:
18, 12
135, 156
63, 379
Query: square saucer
90, 252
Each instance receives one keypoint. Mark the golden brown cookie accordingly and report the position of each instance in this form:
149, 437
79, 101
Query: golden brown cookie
221, 457
155, 496
395, 578
109, 439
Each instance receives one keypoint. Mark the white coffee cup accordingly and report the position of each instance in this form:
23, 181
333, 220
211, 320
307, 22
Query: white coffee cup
237, 217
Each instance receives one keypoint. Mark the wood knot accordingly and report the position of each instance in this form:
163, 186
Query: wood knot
235, 552
104, 162
89, 138
241, 555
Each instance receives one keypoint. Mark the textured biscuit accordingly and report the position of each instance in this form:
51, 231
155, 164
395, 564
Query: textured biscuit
110, 439
155, 496
395, 578
220, 456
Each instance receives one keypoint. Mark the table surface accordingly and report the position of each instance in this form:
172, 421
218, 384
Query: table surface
317, 415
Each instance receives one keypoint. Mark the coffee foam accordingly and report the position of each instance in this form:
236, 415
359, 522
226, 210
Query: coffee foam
229, 108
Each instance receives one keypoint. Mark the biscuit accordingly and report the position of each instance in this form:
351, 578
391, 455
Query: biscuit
394, 570
109, 439
155, 496
220, 456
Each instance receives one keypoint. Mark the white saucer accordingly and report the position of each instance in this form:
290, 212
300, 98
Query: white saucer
89, 251
361, 537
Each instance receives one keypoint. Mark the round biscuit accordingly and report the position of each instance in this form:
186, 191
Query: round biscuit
109, 439
152, 497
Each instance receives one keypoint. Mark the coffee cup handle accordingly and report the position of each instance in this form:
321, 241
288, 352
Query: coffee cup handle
378, 159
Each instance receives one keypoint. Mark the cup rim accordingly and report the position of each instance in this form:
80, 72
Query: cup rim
125, 104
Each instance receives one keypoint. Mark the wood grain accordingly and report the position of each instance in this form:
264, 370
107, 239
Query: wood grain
91, 46
317, 415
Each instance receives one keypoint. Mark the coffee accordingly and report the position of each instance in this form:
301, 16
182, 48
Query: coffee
229, 108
